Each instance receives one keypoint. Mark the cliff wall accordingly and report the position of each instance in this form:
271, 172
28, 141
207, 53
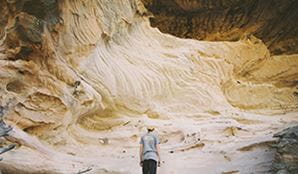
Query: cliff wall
80, 70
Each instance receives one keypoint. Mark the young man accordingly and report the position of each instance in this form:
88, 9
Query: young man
149, 152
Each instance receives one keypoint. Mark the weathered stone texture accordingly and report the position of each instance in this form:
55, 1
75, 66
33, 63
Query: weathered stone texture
273, 21
89, 75
286, 159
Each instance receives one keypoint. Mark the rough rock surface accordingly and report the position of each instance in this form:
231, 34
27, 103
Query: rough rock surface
274, 21
88, 76
286, 159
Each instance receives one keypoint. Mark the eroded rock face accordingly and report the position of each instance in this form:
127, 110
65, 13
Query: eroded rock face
89, 75
286, 158
274, 22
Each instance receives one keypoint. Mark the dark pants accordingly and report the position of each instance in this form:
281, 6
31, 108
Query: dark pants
149, 166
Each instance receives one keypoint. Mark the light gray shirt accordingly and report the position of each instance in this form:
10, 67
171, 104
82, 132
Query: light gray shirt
149, 142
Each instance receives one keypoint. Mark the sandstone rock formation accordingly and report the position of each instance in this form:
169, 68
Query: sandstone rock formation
4, 130
89, 75
272, 21
287, 154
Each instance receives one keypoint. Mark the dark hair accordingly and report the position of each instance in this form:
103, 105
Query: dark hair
150, 130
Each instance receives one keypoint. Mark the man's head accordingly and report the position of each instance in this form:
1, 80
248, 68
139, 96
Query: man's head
150, 128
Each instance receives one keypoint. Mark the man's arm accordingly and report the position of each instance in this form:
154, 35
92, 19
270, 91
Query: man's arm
157, 142
158, 152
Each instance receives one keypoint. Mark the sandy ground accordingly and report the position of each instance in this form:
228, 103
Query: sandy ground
234, 143
238, 143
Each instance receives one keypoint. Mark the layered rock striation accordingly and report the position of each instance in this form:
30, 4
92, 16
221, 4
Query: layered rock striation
274, 22
87, 76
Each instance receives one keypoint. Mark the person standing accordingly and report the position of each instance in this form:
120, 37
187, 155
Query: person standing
149, 152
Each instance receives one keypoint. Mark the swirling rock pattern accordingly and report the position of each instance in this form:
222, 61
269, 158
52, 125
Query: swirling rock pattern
88, 76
